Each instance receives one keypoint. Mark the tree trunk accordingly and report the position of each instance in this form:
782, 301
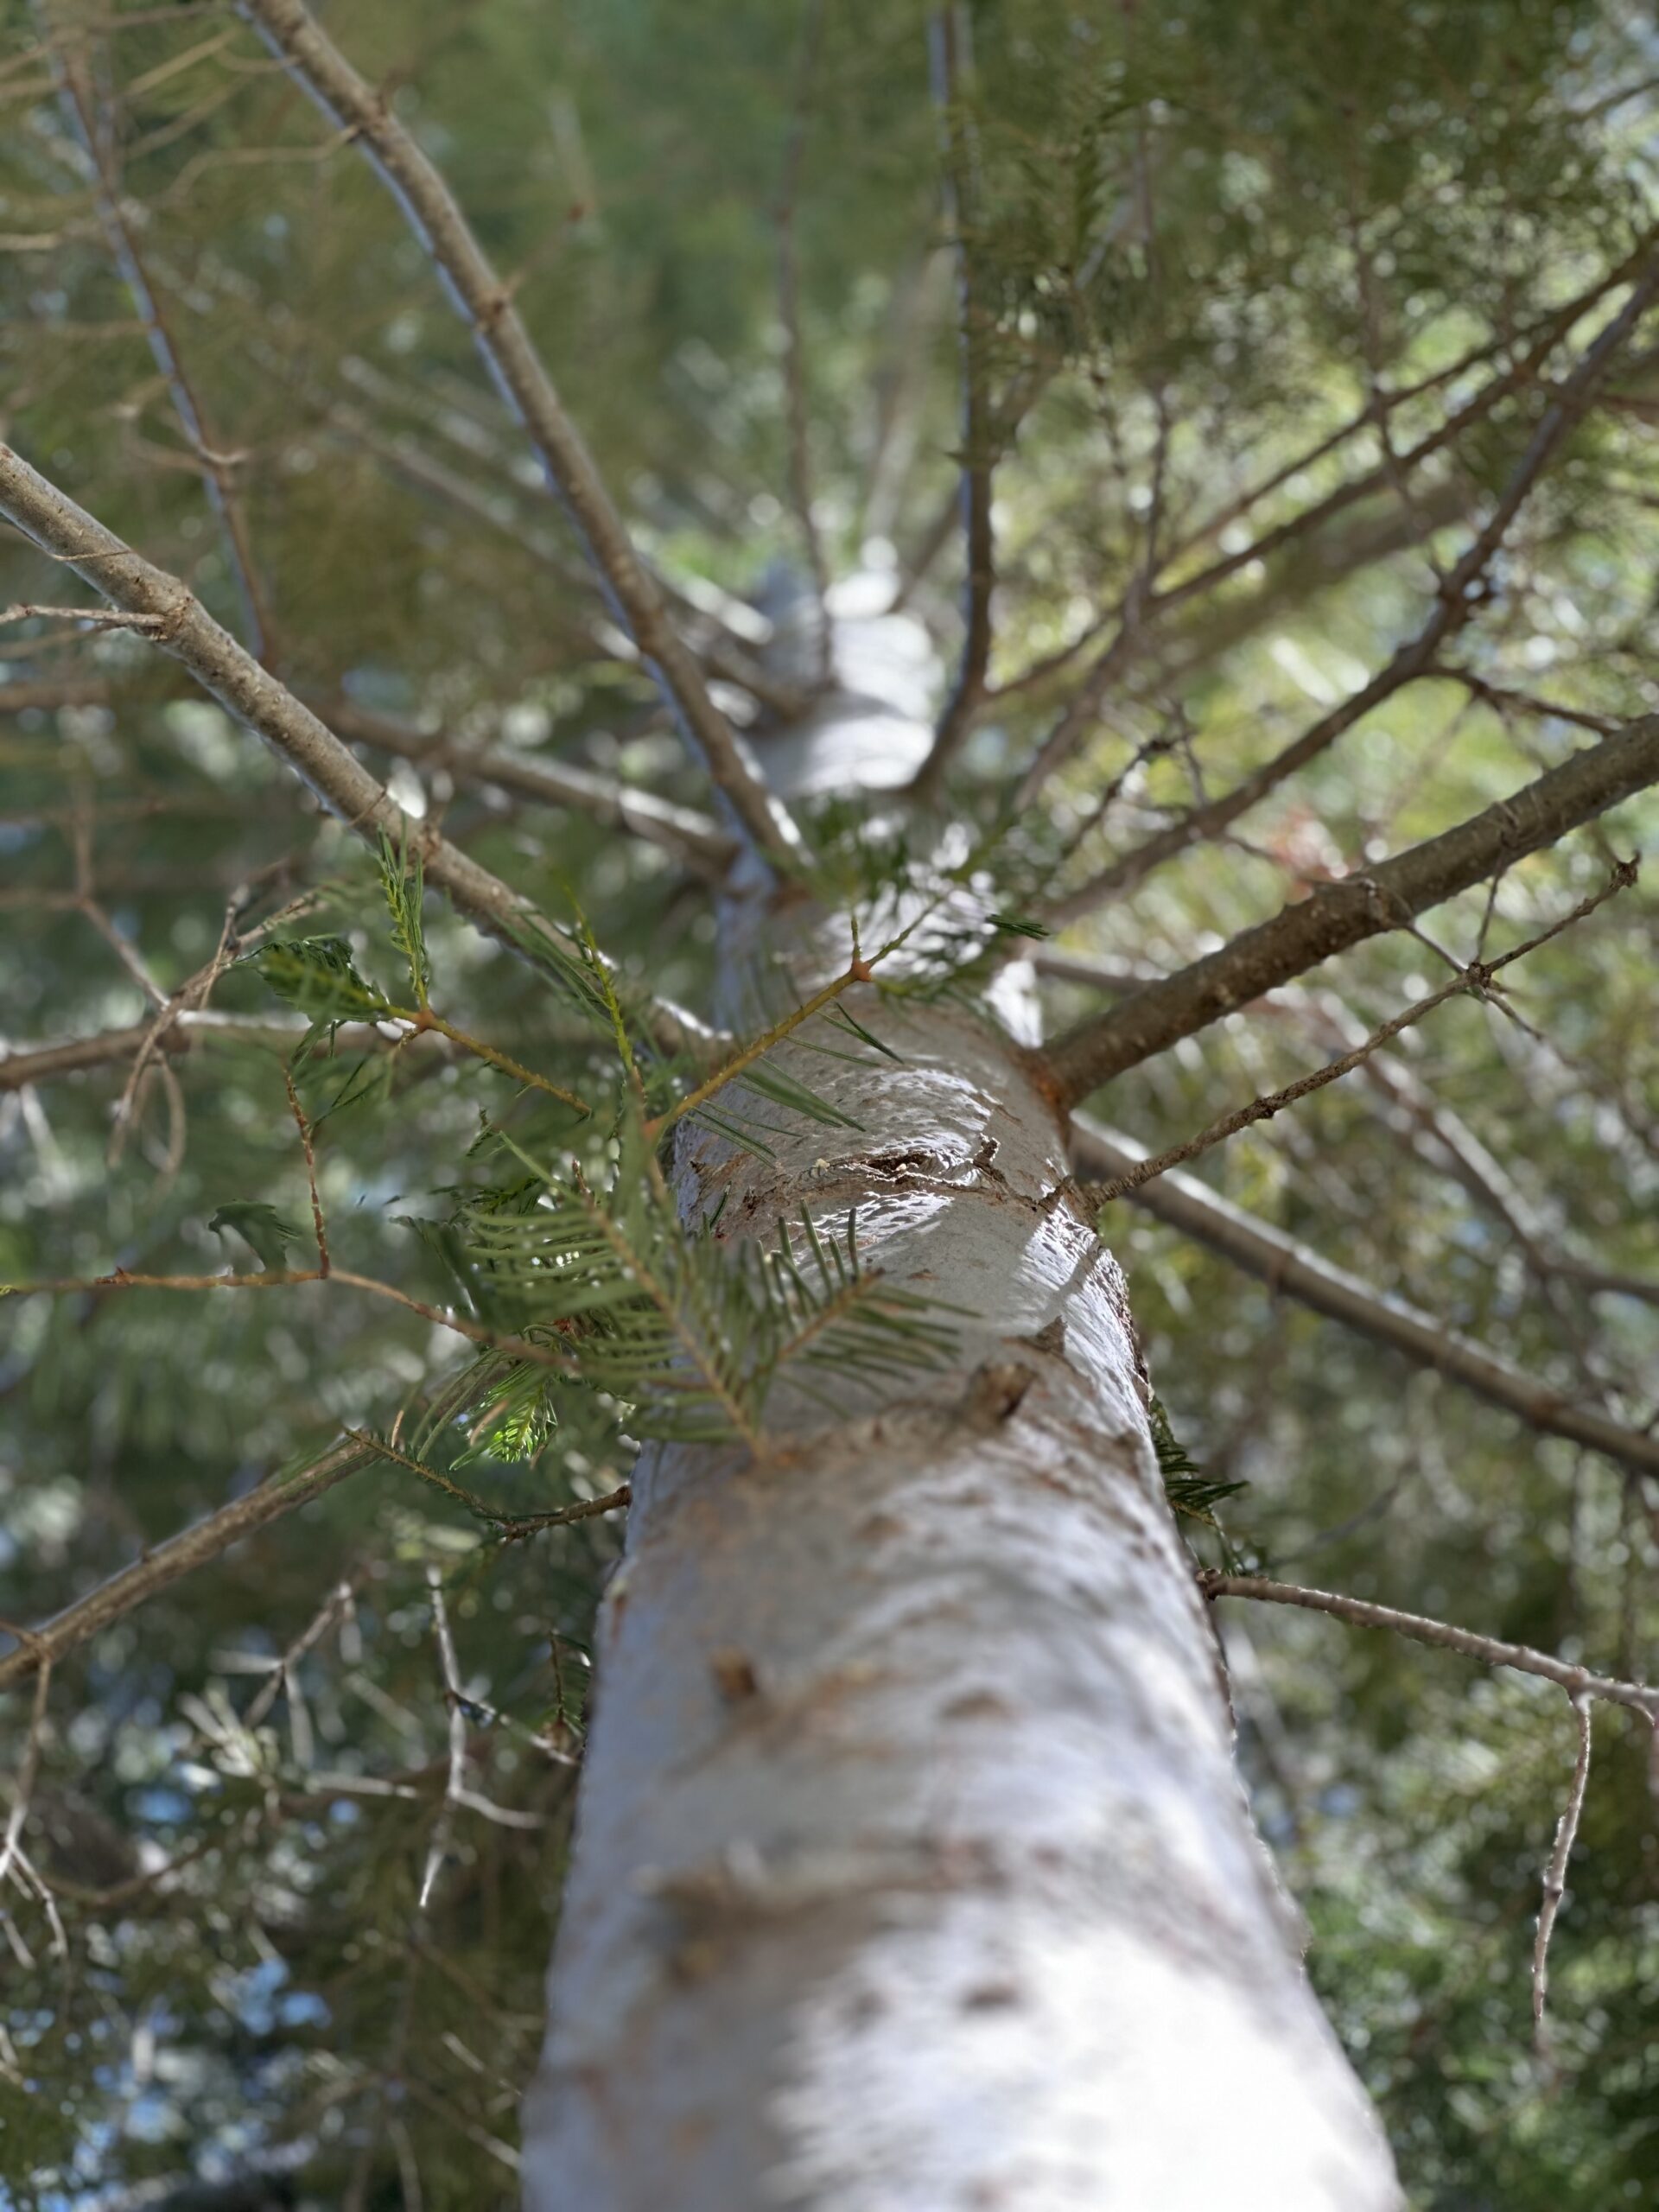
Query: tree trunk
911, 1870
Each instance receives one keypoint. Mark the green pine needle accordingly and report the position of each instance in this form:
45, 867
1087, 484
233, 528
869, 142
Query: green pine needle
403, 881
259, 1225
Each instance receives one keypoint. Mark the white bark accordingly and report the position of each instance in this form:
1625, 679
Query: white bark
913, 1872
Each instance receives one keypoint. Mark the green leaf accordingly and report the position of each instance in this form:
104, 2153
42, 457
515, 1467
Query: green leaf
258, 1224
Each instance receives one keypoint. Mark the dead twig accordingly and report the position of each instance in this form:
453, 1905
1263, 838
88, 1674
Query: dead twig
1567, 1830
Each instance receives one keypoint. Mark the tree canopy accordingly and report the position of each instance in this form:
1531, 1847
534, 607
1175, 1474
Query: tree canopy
1293, 369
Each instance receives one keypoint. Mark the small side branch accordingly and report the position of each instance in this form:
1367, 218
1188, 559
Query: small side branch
952, 73
1460, 594
694, 840
179, 1556
1293, 1270
722, 651
67, 42
1567, 1830
511, 1528
365, 115
207, 1539
23, 1788
857, 971
188, 1027
1580, 1684
319, 1226
1583, 1687
456, 1775
1475, 979
176, 622
1344, 914
47, 698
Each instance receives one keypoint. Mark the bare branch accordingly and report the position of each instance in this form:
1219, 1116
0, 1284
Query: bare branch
179, 1555
511, 1526
1074, 724
181, 626
1460, 594
952, 72
1567, 1830
207, 1539
188, 1027
294, 36
913, 309
1437, 1133
696, 839
1505, 701
1580, 1684
712, 616
456, 1777
288, 1278
1475, 978
67, 42
28, 1771
193, 994
919, 565
90, 618
1293, 1270
1342, 914
1115, 976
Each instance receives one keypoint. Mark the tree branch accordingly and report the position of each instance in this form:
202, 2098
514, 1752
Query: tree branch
952, 64
721, 653
694, 840
1459, 597
1522, 372
1475, 979
179, 1555
181, 626
1578, 1681
1434, 1133
1073, 725
67, 44
1294, 1271
1339, 915
1567, 1830
294, 36
190, 1026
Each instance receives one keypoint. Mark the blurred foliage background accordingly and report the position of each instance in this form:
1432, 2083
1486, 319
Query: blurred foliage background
1209, 239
